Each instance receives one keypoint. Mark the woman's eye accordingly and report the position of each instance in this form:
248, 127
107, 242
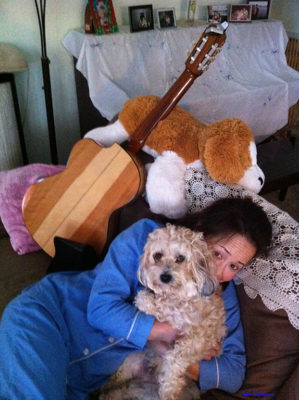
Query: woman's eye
234, 267
157, 256
217, 254
180, 258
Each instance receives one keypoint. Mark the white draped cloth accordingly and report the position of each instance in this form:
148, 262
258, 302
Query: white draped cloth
274, 277
249, 78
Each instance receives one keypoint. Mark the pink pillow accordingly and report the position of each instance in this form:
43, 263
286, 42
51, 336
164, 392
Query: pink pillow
13, 185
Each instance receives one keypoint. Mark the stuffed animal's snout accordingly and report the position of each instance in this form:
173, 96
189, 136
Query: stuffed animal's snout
253, 179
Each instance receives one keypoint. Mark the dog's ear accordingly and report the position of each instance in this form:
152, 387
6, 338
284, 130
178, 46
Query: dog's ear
209, 287
140, 273
203, 266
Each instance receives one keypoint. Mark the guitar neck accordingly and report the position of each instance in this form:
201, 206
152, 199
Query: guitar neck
201, 56
163, 108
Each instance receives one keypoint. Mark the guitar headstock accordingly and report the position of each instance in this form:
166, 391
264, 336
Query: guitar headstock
205, 50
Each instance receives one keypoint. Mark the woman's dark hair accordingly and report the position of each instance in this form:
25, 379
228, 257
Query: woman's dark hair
227, 216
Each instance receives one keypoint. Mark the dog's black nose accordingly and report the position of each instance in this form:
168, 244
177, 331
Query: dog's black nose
261, 180
166, 277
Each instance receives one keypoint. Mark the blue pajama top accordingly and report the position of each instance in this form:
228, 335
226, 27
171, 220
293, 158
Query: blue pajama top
93, 313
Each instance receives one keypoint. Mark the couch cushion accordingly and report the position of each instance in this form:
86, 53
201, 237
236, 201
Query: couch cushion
272, 348
290, 388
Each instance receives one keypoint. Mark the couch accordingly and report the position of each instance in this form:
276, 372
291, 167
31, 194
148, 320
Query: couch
272, 343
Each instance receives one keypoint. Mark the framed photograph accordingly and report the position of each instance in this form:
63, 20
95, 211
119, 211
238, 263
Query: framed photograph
141, 18
192, 5
218, 13
102, 16
166, 18
260, 9
240, 13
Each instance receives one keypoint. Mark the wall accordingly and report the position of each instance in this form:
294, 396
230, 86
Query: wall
288, 12
181, 7
19, 26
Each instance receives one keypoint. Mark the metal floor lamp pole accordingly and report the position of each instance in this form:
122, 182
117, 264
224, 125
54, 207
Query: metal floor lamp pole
41, 10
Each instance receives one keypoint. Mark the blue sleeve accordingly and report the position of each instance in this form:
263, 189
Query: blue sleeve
110, 307
227, 371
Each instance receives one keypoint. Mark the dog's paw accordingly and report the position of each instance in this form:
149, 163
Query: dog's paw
144, 301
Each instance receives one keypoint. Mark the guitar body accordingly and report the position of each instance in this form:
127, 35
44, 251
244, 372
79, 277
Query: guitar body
77, 203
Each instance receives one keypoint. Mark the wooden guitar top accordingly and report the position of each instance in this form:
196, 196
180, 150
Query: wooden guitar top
77, 203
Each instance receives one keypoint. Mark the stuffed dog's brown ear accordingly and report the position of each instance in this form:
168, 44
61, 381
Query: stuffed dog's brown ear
226, 154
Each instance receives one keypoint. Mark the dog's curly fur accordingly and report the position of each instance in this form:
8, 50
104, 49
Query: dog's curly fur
179, 276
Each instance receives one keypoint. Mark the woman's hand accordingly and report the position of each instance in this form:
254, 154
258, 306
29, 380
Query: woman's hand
193, 369
213, 352
162, 337
165, 332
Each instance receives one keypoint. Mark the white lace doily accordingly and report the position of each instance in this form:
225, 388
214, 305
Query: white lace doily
276, 277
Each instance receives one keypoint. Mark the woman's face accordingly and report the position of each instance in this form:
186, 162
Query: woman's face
230, 255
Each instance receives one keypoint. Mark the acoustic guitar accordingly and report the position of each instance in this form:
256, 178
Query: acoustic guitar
77, 203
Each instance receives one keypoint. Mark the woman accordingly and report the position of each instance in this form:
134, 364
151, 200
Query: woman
64, 336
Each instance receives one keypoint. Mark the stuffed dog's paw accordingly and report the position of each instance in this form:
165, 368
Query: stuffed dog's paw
165, 185
108, 135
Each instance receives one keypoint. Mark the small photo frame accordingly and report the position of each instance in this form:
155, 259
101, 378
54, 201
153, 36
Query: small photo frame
166, 18
218, 14
102, 16
141, 18
260, 9
240, 13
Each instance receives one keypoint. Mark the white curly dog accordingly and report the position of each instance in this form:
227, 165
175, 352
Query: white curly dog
179, 276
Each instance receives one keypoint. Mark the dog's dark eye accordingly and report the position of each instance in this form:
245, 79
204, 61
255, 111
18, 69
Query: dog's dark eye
180, 258
157, 256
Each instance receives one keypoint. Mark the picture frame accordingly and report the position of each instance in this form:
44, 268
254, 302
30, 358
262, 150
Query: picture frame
218, 13
141, 18
260, 9
240, 13
102, 16
192, 6
88, 23
166, 18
